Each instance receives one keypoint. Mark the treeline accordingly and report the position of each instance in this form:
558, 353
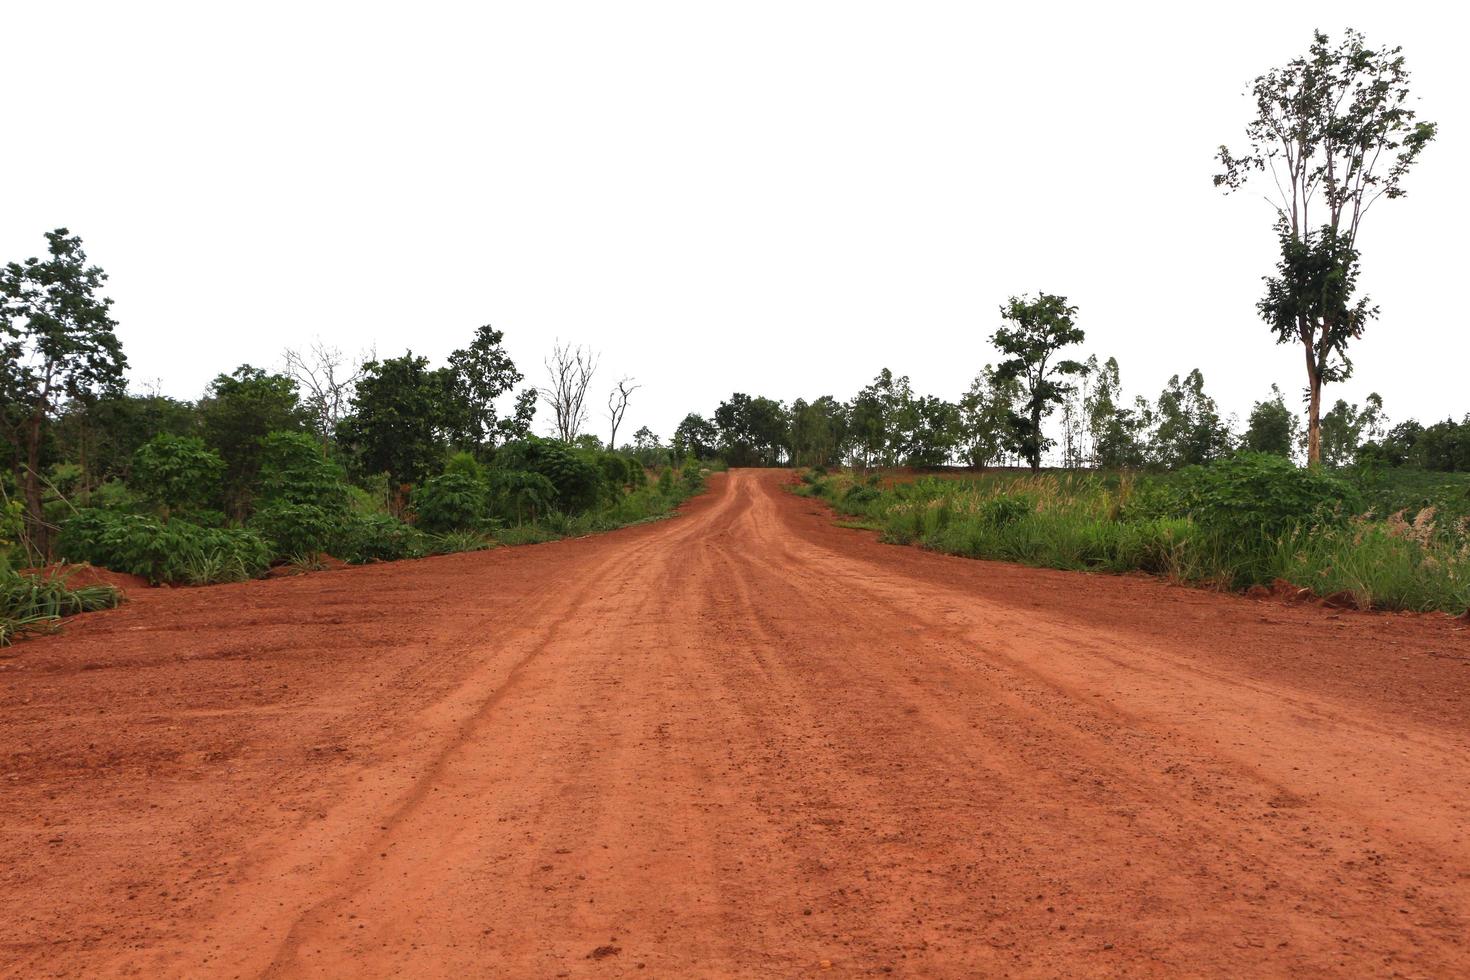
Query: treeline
367, 459
1094, 425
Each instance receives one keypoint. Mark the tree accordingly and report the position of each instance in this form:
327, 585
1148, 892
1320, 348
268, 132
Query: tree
176, 471
58, 342
1043, 327
818, 431
570, 371
328, 379
1345, 428
237, 411
480, 374
617, 407
1333, 128
1271, 427
1116, 431
696, 436
989, 424
399, 419
1190, 430
752, 430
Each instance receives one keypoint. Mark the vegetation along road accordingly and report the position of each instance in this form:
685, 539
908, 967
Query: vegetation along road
744, 741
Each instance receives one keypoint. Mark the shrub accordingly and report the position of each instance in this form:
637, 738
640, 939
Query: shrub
176, 471
376, 537
516, 494
1002, 511
296, 530
1253, 496
450, 502
577, 482
293, 470
175, 551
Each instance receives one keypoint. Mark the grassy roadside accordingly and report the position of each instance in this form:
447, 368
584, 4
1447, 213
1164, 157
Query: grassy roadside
1238, 525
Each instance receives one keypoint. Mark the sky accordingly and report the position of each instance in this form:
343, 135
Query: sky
775, 198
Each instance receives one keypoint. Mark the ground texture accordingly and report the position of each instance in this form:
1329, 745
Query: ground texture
739, 742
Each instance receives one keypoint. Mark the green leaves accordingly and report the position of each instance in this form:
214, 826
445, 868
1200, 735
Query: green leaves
176, 471
1042, 327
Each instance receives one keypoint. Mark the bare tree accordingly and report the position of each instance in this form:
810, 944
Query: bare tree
570, 371
617, 407
328, 380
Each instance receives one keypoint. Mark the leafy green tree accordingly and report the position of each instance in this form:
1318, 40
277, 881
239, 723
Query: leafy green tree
926, 430
1189, 428
647, 449
752, 430
989, 424
573, 474
480, 375
1336, 132
57, 342
1346, 427
1272, 427
870, 415
818, 431
1117, 431
176, 472
103, 434
1042, 328
401, 415
696, 436
236, 413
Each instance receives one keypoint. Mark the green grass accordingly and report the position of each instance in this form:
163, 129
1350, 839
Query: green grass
31, 604
1114, 523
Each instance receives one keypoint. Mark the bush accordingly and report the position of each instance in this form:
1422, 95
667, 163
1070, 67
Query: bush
176, 471
376, 537
451, 502
1252, 496
293, 470
297, 531
173, 551
578, 483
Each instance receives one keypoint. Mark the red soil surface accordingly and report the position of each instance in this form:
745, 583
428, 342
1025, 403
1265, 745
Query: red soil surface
740, 742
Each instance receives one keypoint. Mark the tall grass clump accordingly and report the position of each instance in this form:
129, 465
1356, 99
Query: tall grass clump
32, 603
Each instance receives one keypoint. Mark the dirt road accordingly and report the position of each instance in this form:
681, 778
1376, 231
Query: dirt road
740, 742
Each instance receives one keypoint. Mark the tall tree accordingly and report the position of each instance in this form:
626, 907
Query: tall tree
58, 342
1115, 430
1042, 328
569, 371
399, 421
1271, 427
480, 374
989, 424
617, 407
1345, 427
696, 436
1336, 132
327, 378
1190, 430
238, 411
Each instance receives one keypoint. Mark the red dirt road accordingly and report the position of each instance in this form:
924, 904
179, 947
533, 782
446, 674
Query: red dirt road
740, 742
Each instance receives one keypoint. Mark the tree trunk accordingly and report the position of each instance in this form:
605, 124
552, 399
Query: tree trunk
1314, 411
1035, 452
35, 513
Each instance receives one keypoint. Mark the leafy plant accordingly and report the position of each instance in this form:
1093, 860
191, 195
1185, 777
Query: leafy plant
451, 502
176, 471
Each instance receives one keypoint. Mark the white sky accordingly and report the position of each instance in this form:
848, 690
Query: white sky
778, 198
